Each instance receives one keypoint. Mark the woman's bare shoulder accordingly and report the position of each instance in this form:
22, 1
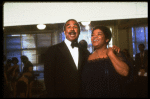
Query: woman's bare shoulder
91, 57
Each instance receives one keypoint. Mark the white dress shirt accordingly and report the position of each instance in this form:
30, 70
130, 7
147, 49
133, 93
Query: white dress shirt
74, 51
142, 54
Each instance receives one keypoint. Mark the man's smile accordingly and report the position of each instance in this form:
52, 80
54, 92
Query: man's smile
72, 33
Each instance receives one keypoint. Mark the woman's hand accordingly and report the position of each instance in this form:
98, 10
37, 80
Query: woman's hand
115, 48
112, 50
120, 66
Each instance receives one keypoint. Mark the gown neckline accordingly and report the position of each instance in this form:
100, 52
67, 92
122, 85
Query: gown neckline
97, 59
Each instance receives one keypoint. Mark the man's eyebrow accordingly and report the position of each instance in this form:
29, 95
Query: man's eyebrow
100, 32
74, 24
67, 24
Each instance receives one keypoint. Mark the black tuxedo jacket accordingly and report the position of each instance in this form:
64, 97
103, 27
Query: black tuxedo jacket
138, 61
62, 78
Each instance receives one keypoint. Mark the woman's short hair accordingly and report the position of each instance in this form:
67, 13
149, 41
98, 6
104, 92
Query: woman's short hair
23, 57
15, 59
9, 61
105, 30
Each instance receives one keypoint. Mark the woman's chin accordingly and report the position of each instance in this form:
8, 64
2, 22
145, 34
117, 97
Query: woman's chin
95, 47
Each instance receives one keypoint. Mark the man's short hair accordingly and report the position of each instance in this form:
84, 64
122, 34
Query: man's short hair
64, 28
83, 43
142, 45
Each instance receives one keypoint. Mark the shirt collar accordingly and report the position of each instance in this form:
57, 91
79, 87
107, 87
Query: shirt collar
142, 53
68, 43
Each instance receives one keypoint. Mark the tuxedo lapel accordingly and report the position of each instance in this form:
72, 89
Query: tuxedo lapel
65, 51
80, 58
138, 56
145, 55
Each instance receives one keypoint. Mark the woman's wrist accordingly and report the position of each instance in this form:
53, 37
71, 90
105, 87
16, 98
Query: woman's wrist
110, 53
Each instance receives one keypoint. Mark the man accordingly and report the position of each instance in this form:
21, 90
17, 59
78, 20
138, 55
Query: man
63, 64
141, 66
141, 60
83, 44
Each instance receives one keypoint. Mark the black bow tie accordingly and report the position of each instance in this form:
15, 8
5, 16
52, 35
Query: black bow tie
74, 44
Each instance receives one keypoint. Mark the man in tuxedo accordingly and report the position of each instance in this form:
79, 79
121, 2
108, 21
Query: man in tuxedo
141, 60
84, 44
141, 67
63, 64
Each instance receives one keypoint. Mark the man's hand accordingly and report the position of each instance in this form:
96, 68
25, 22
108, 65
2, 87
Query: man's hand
142, 72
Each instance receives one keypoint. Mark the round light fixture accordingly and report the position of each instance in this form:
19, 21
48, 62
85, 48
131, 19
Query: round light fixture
41, 26
85, 23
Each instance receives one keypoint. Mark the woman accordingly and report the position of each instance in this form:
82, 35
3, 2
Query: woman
127, 55
6, 90
7, 68
26, 78
104, 71
28, 68
15, 69
15, 74
8, 74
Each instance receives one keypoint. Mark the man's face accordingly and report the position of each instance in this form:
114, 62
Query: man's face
141, 48
72, 30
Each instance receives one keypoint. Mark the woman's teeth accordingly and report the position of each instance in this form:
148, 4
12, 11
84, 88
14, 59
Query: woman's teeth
95, 40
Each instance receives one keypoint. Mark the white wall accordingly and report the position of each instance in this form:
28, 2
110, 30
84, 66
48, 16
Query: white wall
27, 13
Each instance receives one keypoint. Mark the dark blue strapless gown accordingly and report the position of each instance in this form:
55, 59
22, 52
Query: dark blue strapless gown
100, 79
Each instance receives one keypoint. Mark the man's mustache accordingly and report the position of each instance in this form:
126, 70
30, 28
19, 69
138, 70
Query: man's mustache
72, 32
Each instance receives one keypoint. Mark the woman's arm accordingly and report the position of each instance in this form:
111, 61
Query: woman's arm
29, 73
15, 72
31, 69
10, 68
5, 77
120, 66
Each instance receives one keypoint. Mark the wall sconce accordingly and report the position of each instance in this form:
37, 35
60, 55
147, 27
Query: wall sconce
41, 26
85, 23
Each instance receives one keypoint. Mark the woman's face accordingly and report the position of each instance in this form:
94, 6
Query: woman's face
14, 62
98, 38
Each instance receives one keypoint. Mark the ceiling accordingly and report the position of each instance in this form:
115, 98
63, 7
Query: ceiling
123, 23
33, 13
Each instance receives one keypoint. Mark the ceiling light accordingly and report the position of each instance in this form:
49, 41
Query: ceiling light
41, 26
85, 23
